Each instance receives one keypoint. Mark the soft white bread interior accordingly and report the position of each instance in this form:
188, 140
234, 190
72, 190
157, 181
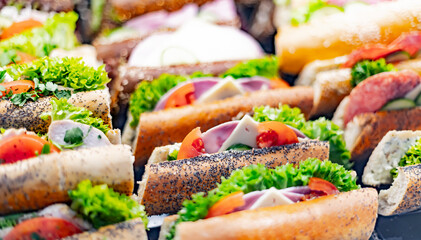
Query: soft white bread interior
387, 155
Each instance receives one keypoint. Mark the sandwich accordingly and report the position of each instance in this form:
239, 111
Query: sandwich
315, 199
395, 162
339, 34
27, 89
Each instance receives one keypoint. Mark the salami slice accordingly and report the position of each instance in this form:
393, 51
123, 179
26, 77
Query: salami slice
377, 90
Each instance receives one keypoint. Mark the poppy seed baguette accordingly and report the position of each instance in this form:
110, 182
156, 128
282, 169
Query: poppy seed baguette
38, 182
165, 185
171, 126
13, 116
347, 215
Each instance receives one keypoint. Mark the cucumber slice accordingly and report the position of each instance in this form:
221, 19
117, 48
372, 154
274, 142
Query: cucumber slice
239, 147
400, 103
418, 100
325, 11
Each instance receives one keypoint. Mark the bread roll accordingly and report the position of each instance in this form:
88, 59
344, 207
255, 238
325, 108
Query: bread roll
41, 181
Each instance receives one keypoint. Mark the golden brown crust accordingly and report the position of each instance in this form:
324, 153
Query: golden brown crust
374, 127
340, 34
12, 116
41, 181
170, 126
44, 5
169, 183
349, 215
404, 195
127, 9
131, 229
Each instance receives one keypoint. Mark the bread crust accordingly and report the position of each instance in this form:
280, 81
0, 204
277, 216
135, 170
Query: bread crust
131, 229
44, 5
404, 195
339, 34
12, 116
374, 126
170, 126
41, 181
348, 215
127, 9
167, 184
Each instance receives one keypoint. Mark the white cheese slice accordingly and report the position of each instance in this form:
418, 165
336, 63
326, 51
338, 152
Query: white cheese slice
224, 89
245, 133
273, 197
413, 94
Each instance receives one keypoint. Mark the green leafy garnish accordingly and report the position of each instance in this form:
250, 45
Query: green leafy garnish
103, 206
304, 14
172, 155
323, 129
46, 149
68, 72
147, 94
265, 67
258, 177
57, 32
62, 110
2, 75
367, 68
14, 219
411, 157
239, 147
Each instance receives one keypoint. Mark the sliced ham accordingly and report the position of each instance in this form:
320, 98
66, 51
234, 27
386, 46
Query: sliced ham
374, 92
215, 137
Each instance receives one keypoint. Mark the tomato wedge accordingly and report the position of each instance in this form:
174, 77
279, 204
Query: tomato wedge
321, 185
19, 86
24, 57
408, 42
373, 52
22, 147
19, 27
226, 205
181, 97
274, 133
192, 145
278, 83
47, 228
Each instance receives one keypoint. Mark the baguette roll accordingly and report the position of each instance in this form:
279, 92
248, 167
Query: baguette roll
347, 215
41, 181
165, 185
339, 34
365, 131
43, 5
131, 229
404, 194
170, 126
28, 116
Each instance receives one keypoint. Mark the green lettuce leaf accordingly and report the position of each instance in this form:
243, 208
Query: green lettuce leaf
411, 157
148, 93
57, 32
103, 206
303, 14
67, 72
62, 110
258, 177
265, 67
323, 129
367, 68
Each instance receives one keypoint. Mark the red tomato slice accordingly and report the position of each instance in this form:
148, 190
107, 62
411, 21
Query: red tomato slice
22, 147
278, 83
19, 27
318, 184
24, 57
274, 133
192, 145
408, 42
226, 205
181, 97
47, 228
19, 86
372, 52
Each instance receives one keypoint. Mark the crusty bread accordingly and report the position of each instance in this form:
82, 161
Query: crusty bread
131, 229
404, 194
387, 155
170, 126
12, 116
43, 5
307, 77
365, 131
166, 185
41, 181
348, 215
339, 34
